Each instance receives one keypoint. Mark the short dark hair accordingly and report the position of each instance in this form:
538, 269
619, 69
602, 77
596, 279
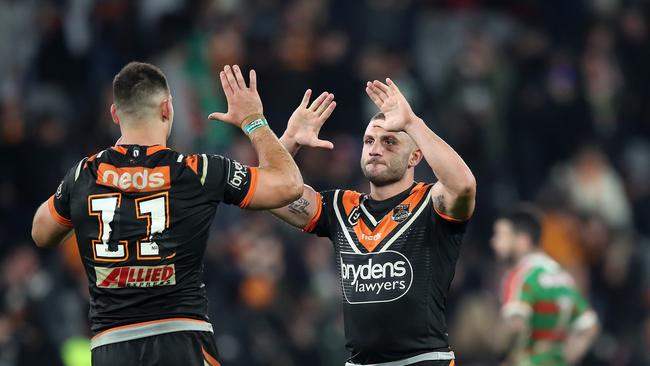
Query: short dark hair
136, 82
526, 218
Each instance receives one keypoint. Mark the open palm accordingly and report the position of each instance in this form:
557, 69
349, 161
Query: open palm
392, 103
243, 101
306, 121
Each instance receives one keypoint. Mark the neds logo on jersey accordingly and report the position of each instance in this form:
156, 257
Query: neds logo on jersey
134, 179
375, 277
135, 276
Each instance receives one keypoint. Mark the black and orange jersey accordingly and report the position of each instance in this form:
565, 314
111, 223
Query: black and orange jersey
396, 259
141, 216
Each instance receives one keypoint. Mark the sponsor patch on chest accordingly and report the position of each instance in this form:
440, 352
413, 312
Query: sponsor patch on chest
375, 277
135, 276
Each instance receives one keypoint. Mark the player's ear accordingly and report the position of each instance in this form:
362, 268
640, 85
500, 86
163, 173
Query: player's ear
415, 158
166, 109
114, 116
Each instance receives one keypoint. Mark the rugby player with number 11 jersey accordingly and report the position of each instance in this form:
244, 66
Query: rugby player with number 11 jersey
396, 247
141, 213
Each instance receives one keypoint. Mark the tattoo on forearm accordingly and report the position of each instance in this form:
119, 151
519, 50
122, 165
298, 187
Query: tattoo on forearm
439, 202
299, 207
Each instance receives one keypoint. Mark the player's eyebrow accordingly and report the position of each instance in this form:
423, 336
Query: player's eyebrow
389, 136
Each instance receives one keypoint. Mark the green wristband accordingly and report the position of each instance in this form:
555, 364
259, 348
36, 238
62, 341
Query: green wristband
254, 125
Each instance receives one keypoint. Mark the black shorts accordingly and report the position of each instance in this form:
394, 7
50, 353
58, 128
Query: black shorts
169, 349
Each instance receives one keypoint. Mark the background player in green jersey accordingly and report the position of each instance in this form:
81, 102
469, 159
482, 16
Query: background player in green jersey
548, 322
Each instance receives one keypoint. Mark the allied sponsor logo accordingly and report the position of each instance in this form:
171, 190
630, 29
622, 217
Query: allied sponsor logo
375, 277
401, 212
353, 217
237, 175
135, 276
134, 179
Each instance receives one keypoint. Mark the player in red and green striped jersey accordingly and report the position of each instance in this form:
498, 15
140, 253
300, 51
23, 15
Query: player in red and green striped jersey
549, 323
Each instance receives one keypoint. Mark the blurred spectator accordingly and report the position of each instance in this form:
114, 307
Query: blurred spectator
594, 187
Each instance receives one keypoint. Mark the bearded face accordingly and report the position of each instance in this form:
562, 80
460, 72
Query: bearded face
386, 155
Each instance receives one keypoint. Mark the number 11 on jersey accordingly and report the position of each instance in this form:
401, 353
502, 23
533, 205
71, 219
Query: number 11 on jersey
153, 208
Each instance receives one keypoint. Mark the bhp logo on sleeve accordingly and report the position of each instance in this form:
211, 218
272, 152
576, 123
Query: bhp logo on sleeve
134, 179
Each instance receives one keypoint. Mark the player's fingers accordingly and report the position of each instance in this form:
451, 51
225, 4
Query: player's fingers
325, 104
324, 144
317, 102
393, 86
328, 111
252, 76
239, 77
231, 78
218, 116
227, 89
381, 86
305, 99
378, 92
374, 97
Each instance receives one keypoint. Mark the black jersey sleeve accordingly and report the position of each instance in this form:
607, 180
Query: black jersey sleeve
59, 202
224, 180
320, 223
449, 229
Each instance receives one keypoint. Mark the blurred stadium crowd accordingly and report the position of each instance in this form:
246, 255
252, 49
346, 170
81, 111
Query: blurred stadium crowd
546, 100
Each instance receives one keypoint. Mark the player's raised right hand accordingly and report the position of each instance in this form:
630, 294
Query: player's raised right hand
306, 121
243, 101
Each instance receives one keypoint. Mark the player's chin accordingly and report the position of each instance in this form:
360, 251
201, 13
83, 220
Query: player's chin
382, 178
372, 171
375, 168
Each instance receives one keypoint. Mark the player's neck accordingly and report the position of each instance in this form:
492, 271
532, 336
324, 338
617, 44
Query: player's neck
381, 193
142, 137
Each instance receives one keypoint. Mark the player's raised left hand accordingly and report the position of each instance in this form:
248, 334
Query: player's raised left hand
390, 101
243, 101
306, 121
